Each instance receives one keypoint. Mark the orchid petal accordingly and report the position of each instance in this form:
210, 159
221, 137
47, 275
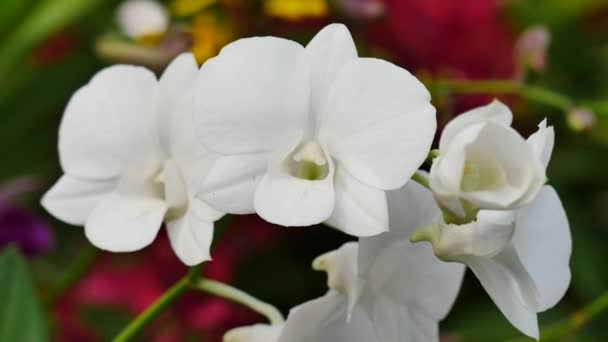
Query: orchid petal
341, 268
395, 323
123, 223
324, 319
543, 242
495, 111
191, 237
286, 200
360, 210
72, 200
254, 333
326, 54
176, 105
231, 183
511, 288
251, 96
110, 123
129, 218
379, 122
542, 142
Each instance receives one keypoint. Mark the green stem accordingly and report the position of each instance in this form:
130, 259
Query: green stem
530, 92
575, 322
421, 179
238, 296
161, 304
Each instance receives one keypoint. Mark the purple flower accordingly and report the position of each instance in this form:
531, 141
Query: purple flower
20, 226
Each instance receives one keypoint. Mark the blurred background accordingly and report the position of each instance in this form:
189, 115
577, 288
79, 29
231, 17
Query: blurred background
545, 58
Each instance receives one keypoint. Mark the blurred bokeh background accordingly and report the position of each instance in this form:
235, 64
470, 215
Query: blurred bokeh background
545, 58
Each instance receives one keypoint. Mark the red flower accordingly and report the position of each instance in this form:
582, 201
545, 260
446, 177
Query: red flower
462, 38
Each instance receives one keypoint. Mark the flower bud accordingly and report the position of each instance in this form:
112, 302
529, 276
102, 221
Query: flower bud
361, 9
580, 119
532, 48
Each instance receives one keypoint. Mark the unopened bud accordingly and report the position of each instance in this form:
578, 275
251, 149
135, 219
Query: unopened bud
362, 9
532, 47
581, 119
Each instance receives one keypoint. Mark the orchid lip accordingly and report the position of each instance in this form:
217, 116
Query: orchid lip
307, 161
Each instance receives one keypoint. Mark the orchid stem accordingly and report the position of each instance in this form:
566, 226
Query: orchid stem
238, 296
192, 280
575, 322
421, 179
530, 92
159, 306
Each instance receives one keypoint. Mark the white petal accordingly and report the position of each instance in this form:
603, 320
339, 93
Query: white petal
505, 172
191, 237
230, 185
72, 200
109, 123
341, 268
542, 142
254, 333
495, 111
359, 209
326, 54
176, 103
379, 122
250, 96
486, 237
409, 274
409, 208
543, 242
510, 287
396, 323
324, 319
125, 223
283, 199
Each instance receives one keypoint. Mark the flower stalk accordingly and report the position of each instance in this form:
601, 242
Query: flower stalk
190, 281
241, 297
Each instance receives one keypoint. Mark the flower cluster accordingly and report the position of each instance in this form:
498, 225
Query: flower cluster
317, 134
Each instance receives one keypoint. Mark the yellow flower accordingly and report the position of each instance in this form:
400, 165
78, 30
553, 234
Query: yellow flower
296, 9
209, 36
185, 8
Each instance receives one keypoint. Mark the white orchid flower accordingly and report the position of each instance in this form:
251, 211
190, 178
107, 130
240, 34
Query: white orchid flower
310, 134
140, 18
521, 257
127, 148
484, 164
254, 333
383, 289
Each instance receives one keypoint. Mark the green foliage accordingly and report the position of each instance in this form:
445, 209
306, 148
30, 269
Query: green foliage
21, 317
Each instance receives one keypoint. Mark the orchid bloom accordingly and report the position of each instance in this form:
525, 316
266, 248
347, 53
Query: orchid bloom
141, 18
254, 333
484, 164
310, 134
130, 160
521, 257
383, 289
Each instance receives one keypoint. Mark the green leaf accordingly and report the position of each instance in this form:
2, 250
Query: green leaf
21, 316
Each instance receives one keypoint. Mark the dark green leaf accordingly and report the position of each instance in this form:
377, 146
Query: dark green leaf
21, 317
